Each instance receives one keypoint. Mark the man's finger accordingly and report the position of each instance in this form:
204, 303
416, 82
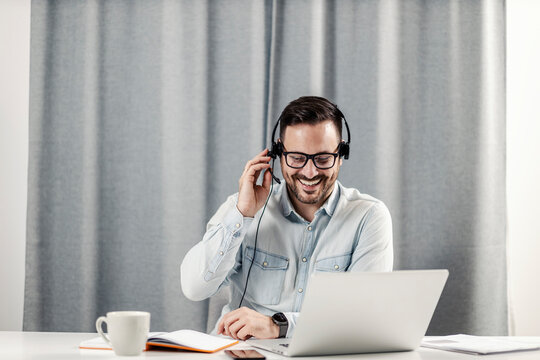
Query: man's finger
267, 179
250, 163
257, 167
258, 172
257, 159
226, 331
244, 333
251, 173
221, 324
230, 319
235, 327
221, 327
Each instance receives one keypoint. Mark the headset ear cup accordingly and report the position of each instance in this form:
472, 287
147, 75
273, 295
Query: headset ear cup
279, 149
271, 152
344, 149
276, 151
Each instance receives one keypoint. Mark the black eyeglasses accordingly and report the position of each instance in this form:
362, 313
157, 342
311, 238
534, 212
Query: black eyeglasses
298, 160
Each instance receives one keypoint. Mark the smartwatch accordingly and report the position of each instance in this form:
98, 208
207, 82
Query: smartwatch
281, 320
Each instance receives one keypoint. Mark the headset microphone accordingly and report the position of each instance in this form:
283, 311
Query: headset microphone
274, 176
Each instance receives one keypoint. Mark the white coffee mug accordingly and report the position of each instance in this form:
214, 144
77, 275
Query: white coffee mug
127, 330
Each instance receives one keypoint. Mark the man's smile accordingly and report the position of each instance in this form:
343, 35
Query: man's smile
310, 185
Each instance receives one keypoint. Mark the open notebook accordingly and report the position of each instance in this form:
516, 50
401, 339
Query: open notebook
182, 339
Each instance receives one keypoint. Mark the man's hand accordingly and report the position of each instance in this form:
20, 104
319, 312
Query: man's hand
251, 197
244, 323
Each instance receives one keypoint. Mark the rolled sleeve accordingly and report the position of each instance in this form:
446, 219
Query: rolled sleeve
292, 318
205, 267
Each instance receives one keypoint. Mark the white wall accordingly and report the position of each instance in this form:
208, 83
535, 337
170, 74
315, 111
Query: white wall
14, 95
523, 164
523, 169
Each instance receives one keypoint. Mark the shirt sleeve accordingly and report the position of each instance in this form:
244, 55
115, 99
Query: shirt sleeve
292, 318
374, 244
206, 266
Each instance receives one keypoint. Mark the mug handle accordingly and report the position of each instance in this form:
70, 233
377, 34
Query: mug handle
100, 320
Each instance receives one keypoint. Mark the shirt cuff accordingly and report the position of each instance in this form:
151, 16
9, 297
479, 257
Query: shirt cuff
292, 317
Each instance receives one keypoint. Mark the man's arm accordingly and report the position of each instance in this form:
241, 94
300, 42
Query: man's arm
374, 250
206, 266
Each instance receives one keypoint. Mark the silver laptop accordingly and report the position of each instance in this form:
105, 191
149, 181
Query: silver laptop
362, 312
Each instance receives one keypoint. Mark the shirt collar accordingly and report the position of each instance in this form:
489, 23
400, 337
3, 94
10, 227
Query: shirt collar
286, 206
329, 205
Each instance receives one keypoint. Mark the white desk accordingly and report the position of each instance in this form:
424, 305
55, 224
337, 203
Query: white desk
65, 346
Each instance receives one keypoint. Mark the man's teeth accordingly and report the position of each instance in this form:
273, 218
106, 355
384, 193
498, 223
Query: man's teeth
310, 183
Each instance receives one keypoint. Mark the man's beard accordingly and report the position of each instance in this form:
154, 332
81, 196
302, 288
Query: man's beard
325, 185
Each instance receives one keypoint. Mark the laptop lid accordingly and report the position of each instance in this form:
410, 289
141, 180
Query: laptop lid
363, 312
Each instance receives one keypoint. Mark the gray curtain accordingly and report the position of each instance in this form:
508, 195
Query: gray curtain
143, 114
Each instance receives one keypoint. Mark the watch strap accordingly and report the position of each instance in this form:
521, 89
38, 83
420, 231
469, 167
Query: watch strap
281, 321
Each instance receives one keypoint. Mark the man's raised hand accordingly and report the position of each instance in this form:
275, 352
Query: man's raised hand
251, 197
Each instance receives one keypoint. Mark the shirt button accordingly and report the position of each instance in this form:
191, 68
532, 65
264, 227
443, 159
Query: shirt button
300, 290
336, 267
237, 226
265, 263
309, 228
221, 253
304, 259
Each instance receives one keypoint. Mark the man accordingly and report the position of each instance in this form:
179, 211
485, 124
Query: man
311, 223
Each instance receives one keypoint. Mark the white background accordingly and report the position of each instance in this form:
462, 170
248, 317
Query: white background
523, 159
523, 163
14, 94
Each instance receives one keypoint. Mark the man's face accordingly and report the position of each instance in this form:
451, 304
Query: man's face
311, 185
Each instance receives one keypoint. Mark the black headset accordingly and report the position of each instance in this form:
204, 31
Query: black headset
343, 148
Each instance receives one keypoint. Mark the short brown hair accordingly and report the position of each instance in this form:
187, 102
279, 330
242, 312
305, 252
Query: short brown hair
310, 110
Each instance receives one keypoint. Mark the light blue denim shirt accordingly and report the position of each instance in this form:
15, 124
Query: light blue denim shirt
350, 232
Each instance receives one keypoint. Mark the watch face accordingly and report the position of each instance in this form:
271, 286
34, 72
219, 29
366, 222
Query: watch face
280, 318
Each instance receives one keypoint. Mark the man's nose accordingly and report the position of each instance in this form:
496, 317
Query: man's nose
310, 170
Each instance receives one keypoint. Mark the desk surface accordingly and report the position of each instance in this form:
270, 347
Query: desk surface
64, 346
